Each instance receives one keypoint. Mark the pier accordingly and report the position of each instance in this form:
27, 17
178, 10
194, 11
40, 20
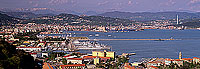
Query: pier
127, 39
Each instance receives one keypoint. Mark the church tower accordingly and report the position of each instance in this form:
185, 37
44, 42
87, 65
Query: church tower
180, 55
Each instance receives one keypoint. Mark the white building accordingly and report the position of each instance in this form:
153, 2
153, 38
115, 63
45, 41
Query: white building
29, 48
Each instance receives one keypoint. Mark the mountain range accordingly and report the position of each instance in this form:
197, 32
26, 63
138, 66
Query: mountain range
26, 15
79, 20
108, 18
47, 11
146, 16
7, 20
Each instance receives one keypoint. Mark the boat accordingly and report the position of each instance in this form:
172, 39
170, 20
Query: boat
159, 40
198, 28
181, 28
96, 34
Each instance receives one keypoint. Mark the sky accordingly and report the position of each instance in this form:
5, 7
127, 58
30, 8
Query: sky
106, 5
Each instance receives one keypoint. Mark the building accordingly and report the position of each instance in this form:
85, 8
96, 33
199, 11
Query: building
73, 66
187, 60
47, 66
156, 63
34, 55
13, 39
178, 62
45, 54
168, 61
128, 66
196, 60
136, 63
103, 54
96, 59
74, 60
29, 48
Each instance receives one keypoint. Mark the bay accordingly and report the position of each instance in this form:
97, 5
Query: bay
189, 44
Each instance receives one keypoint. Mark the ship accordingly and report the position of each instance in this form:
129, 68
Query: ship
96, 35
159, 40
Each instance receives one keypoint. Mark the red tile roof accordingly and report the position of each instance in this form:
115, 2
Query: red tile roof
32, 53
155, 62
47, 66
129, 66
26, 36
154, 67
187, 59
11, 41
169, 59
196, 58
86, 57
177, 60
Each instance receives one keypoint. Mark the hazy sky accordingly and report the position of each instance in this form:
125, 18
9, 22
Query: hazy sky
106, 5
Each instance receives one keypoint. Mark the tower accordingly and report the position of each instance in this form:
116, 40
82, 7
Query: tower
180, 55
177, 19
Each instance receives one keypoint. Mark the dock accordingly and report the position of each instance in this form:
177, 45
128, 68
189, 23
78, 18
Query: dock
126, 39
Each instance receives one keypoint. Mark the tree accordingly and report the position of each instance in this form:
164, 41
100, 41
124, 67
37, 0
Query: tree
64, 61
14, 59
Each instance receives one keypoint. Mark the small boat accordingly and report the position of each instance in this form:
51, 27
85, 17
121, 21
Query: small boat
159, 40
96, 34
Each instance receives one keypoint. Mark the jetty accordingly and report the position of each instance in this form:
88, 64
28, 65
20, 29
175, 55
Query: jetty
126, 39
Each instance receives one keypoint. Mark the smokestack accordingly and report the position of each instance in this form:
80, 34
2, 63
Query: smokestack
177, 20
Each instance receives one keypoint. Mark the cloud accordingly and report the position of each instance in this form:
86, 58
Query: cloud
58, 1
34, 3
129, 2
194, 1
103, 3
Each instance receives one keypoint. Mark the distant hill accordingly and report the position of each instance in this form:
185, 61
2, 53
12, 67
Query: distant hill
26, 15
145, 16
7, 20
32, 10
47, 11
193, 23
90, 13
80, 20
